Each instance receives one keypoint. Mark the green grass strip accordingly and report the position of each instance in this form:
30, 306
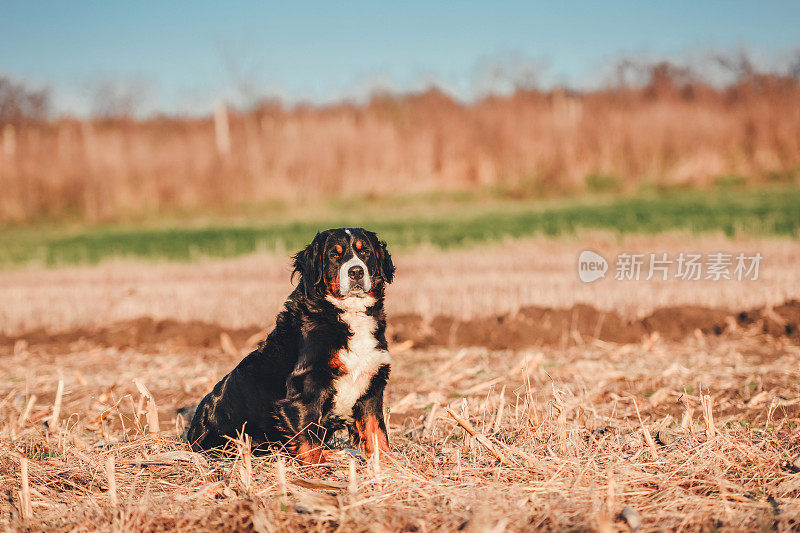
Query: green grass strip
768, 212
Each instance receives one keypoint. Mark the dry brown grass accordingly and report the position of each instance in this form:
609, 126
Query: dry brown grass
482, 281
669, 132
704, 434
569, 426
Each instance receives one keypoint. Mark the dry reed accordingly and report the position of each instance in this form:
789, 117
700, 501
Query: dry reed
531, 142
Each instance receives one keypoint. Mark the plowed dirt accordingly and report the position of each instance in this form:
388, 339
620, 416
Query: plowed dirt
530, 326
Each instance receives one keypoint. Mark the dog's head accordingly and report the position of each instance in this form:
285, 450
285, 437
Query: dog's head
344, 263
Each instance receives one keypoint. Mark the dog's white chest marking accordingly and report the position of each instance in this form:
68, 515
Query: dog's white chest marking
361, 358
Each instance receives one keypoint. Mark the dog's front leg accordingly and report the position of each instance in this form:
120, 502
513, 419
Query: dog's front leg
369, 427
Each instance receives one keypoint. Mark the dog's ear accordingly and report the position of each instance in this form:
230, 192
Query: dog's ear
384, 257
308, 264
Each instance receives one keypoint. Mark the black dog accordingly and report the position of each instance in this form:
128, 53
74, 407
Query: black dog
323, 367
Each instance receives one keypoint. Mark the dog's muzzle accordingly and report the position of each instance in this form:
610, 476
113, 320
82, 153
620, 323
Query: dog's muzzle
354, 277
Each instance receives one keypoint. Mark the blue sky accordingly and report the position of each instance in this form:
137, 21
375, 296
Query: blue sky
183, 56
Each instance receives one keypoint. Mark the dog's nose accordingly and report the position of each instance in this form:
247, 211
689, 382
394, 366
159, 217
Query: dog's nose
355, 273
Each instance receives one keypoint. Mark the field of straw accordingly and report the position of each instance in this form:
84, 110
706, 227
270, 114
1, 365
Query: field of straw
701, 435
672, 131
481, 281
651, 434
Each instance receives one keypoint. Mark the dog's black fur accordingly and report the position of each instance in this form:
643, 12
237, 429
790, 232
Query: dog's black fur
284, 391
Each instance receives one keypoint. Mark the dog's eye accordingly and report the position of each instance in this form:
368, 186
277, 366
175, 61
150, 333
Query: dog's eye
361, 247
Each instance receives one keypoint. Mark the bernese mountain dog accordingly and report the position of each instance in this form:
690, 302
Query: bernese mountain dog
325, 365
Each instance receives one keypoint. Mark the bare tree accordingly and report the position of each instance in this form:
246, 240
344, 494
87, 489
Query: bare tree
243, 68
512, 72
740, 65
118, 98
793, 70
19, 102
